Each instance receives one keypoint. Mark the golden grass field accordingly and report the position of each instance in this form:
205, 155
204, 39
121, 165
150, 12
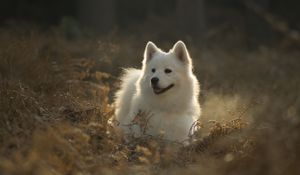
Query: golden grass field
56, 98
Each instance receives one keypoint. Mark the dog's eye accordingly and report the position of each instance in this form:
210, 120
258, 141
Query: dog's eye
168, 71
153, 70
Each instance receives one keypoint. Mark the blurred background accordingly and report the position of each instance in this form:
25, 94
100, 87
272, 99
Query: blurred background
250, 21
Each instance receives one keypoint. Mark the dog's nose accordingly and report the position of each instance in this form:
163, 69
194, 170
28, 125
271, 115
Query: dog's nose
154, 80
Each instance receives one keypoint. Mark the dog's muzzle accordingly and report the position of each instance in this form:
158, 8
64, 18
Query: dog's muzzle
157, 90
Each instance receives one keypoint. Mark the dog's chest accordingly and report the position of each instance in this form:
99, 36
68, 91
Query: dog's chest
173, 126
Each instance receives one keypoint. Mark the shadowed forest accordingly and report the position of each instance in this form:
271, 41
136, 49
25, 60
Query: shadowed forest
60, 63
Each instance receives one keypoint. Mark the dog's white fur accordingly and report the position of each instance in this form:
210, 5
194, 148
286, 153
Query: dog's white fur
172, 112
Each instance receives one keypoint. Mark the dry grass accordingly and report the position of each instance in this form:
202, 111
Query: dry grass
55, 101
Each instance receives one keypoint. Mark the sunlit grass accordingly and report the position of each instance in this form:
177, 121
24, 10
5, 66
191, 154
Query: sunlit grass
56, 99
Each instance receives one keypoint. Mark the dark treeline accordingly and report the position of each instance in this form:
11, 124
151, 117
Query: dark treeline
193, 17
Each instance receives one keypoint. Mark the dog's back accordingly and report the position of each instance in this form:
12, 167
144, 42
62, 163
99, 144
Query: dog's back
125, 94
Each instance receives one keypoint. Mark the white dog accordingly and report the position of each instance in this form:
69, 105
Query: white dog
161, 99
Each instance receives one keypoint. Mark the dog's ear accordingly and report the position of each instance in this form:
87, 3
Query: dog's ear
181, 52
149, 51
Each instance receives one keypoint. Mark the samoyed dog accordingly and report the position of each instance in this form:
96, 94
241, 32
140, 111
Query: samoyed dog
161, 99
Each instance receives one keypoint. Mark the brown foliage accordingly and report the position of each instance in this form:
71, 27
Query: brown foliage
55, 103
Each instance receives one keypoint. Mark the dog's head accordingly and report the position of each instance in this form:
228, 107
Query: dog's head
166, 70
